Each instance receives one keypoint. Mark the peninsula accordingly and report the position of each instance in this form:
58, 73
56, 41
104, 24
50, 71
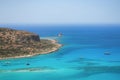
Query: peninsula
16, 44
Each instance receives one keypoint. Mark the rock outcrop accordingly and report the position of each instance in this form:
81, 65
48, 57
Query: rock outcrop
9, 36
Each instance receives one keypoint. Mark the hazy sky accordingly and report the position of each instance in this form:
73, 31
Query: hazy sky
60, 11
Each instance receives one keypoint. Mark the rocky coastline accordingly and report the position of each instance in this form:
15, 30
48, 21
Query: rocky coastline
17, 44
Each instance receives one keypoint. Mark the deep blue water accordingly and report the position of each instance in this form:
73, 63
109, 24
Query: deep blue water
81, 58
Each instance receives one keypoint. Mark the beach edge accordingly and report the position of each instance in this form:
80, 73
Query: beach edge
53, 41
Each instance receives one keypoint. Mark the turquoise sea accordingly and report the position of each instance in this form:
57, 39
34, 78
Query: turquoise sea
82, 56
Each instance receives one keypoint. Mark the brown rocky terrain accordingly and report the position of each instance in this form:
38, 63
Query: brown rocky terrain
16, 43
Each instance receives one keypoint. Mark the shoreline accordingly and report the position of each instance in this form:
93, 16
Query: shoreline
53, 41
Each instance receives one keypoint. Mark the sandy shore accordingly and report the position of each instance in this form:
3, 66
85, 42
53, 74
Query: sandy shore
53, 49
43, 52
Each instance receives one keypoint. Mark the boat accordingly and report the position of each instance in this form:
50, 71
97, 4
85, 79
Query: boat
107, 53
60, 34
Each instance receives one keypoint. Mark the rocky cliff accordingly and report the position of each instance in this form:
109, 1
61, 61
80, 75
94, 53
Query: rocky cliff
9, 36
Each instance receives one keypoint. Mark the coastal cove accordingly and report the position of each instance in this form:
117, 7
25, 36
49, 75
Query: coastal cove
82, 56
59, 39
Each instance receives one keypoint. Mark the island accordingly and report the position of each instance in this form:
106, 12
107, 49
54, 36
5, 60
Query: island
18, 43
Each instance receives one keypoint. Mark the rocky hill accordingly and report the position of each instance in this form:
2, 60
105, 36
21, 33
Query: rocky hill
16, 43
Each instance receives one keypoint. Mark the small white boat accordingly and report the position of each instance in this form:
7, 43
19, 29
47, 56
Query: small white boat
60, 34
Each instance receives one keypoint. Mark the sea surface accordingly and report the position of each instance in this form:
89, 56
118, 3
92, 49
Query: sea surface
82, 56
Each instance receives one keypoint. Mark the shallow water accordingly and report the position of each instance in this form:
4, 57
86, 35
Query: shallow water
81, 58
